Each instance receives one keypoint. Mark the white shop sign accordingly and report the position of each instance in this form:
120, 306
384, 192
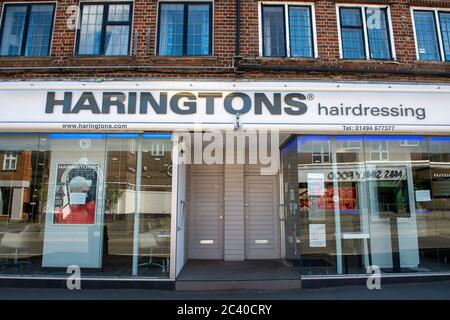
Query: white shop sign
290, 106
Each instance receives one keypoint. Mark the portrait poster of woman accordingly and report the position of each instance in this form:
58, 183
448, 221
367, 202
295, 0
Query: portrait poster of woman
75, 196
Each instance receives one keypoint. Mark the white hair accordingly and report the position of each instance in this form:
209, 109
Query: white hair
79, 183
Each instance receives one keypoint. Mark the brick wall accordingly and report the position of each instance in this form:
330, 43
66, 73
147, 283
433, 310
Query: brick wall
144, 64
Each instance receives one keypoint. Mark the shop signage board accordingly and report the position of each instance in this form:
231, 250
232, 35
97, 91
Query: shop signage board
283, 105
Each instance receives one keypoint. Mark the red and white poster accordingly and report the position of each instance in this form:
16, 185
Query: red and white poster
75, 194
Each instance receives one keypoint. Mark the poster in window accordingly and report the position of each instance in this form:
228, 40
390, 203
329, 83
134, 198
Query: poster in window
75, 194
317, 236
316, 184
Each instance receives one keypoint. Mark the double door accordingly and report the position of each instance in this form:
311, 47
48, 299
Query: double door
210, 232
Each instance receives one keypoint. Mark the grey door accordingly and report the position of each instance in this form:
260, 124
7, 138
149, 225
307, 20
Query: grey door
261, 218
206, 217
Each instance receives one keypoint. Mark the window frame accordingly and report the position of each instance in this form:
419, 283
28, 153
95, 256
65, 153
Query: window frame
286, 5
29, 5
437, 22
367, 52
186, 4
409, 143
105, 23
8, 157
349, 147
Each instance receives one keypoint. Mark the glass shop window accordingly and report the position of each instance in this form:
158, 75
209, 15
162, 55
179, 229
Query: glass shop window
381, 204
72, 201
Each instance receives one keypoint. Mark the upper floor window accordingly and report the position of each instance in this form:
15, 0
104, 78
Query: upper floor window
10, 160
432, 30
287, 31
321, 151
185, 29
26, 29
365, 33
379, 151
105, 29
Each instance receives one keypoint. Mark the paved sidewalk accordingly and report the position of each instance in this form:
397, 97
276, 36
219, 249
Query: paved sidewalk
409, 291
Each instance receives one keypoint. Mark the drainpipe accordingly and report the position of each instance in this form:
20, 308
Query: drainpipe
237, 56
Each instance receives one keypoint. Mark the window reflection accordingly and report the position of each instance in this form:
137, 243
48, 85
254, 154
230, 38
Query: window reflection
367, 201
70, 199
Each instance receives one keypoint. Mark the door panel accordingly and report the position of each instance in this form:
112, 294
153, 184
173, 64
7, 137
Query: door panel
261, 218
206, 217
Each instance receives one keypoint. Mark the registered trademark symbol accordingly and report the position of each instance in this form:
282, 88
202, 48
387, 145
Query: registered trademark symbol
310, 96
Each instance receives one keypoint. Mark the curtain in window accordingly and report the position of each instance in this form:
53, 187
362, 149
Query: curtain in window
39, 31
198, 30
171, 29
117, 37
273, 30
13, 30
91, 29
116, 40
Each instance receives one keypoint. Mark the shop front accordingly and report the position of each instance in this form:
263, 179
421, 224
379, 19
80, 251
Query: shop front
141, 180
70, 199
359, 201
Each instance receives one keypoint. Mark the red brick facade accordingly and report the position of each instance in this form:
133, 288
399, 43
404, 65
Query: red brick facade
143, 63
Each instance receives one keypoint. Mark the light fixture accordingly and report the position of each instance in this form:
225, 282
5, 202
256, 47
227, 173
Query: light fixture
237, 124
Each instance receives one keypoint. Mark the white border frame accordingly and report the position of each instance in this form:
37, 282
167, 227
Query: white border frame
438, 30
53, 26
7, 157
286, 4
366, 38
78, 26
155, 50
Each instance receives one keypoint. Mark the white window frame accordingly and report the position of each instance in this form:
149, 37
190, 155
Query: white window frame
286, 27
157, 150
319, 144
350, 147
409, 143
366, 38
10, 157
380, 151
133, 146
438, 29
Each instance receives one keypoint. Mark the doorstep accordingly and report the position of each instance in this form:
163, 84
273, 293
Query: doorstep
219, 275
